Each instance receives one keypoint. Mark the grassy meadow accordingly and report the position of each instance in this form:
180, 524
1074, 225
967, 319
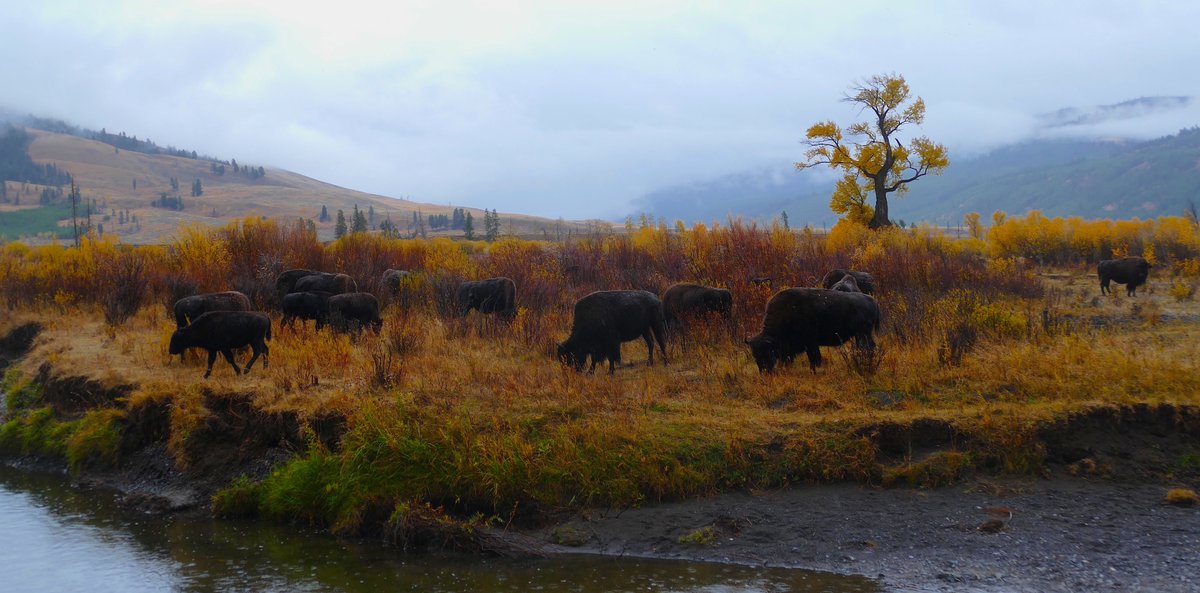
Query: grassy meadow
989, 339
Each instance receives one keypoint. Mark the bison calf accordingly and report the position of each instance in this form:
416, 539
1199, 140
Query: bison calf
605, 319
494, 295
354, 311
804, 319
685, 301
223, 331
187, 309
1130, 271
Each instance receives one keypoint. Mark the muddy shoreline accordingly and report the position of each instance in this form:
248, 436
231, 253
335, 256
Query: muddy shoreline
1059, 534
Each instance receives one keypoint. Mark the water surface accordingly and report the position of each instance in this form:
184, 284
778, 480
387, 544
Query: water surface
58, 539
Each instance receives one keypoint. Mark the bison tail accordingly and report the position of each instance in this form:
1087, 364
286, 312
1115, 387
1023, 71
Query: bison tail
268, 334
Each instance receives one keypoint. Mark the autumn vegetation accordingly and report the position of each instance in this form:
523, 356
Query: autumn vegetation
990, 335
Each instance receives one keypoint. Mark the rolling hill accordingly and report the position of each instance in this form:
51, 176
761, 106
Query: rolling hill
118, 180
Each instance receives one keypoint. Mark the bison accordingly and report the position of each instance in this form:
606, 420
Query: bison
804, 319
865, 282
494, 295
223, 331
286, 282
187, 309
606, 318
846, 284
305, 306
325, 282
1130, 271
683, 301
354, 310
393, 278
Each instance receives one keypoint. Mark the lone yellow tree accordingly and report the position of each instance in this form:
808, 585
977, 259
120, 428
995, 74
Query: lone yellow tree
872, 158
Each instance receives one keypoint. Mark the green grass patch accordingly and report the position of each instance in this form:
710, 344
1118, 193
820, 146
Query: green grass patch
19, 392
96, 439
15, 224
36, 432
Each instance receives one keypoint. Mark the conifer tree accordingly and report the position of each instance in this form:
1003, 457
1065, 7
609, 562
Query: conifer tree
339, 229
469, 227
360, 220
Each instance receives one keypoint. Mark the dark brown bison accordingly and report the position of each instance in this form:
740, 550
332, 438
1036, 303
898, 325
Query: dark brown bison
392, 279
325, 282
353, 311
801, 320
305, 306
846, 284
223, 331
606, 318
1130, 271
865, 282
685, 301
494, 295
286, 281
187, 309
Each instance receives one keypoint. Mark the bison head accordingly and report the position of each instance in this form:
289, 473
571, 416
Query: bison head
766, 352
177, 344
568, 355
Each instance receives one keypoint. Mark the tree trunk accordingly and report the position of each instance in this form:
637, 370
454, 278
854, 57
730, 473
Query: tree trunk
880, 219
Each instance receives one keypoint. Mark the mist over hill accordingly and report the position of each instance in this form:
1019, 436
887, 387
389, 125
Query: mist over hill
1060, 175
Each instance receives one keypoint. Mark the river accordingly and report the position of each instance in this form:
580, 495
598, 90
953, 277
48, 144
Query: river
60, 539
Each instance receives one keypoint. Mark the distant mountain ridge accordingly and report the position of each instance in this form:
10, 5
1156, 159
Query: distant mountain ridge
1110, 178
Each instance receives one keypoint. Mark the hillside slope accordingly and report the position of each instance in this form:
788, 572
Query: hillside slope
126, 180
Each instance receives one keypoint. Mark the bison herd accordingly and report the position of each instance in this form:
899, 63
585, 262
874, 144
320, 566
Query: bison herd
797, 320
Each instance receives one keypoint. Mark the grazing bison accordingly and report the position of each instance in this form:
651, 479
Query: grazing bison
354, 311
606, 318
494, 295
286, 282
305, 306
683, 301
392, 279
1130, 271
223, 331
187, 309
865, 282
846, 284
804, 319
325, 282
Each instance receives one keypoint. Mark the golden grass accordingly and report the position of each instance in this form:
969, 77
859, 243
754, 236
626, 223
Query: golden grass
1182, 497
475, 368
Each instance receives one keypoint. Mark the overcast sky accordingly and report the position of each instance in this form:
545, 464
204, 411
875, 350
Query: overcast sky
572, 109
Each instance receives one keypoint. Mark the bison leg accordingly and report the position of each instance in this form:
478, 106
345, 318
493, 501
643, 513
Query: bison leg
1131, 289
814, 356
259, 349
1104, 286
649, 337
228, 354
212, 357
